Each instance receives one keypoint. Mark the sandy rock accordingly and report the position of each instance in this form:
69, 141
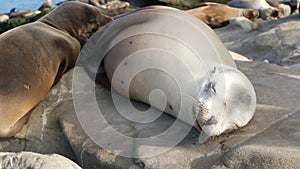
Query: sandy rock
35, 161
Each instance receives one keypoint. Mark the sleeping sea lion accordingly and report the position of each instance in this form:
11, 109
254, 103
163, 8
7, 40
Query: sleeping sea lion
218, 15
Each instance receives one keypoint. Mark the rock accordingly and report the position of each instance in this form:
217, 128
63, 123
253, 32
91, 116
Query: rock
242, 23
35, 161
276, 147
272, 108
54, 128
238, 57
276, 41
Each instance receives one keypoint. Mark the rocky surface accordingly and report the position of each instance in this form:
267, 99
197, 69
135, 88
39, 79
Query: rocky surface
31, 160
274, 41
273, 128
270, 140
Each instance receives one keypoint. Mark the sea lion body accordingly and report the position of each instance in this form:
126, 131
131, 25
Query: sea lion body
35, 56
23, 14
188, 64
3, 17
217, 15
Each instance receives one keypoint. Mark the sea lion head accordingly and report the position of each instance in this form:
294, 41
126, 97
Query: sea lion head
227, 102
78, 19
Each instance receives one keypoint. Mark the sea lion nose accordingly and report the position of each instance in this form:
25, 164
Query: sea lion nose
211, 121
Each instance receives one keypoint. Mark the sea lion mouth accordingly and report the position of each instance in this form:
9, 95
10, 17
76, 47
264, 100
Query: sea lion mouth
201, 112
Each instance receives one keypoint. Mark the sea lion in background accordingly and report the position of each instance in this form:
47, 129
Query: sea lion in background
115, 5
34, 57
3, 17
46, 5
23, 14
217, 15
267, 9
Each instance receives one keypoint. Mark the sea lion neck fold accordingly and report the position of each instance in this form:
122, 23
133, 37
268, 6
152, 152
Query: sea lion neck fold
69, 21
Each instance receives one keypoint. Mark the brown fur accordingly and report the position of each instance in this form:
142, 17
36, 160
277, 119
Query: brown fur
218, 15
34, 57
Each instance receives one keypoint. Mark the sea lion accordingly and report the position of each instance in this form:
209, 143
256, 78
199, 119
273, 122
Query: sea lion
217, 15
3, 17
23, 14
35, 56
46, 5
189, 63
116, 4
267, 9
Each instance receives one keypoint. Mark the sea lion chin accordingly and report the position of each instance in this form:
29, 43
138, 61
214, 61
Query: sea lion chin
35, 56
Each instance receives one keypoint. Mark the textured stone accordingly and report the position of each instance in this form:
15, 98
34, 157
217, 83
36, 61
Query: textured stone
277, 100
276, 147
276, 41
35, 161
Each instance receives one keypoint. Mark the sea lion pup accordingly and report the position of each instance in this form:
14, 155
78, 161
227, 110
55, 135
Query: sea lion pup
217, 15
35, 56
